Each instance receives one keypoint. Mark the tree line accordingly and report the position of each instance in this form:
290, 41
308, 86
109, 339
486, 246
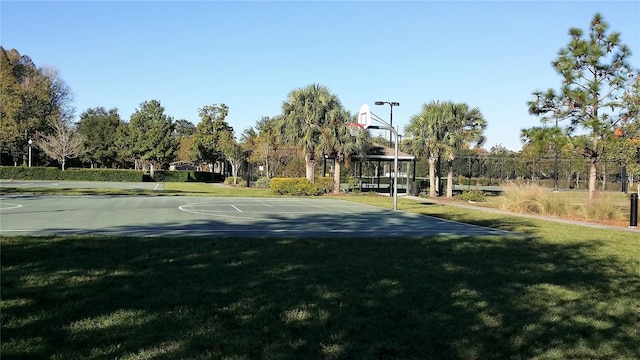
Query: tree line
593, 115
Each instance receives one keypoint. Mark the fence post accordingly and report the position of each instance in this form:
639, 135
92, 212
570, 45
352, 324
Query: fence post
633, 221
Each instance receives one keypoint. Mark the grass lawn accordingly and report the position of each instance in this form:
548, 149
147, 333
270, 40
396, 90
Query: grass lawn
558, 292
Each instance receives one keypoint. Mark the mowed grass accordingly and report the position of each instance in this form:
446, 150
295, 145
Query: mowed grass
557, 292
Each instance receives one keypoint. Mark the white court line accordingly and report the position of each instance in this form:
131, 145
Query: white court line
9, 206
235, 207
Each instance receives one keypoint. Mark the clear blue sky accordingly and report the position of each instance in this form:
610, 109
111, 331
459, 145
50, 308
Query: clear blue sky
250, 55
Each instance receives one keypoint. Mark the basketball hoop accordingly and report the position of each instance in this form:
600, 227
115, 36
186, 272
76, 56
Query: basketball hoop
364, 116
355, 129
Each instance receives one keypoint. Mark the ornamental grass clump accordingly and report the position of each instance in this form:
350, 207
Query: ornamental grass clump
532, 199
601, 209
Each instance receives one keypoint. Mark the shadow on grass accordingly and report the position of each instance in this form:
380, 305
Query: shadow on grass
510, 223
440, 297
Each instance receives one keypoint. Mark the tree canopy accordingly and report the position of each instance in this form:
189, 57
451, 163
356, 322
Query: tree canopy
595, 77
149, 134
209, 133
32, 101
98, 127
305, 114
441, 129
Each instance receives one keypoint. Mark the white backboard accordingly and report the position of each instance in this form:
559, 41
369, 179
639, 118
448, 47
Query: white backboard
364, 116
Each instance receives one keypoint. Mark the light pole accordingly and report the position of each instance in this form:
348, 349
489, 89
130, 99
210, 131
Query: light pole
391, 105
555, 164
30, 142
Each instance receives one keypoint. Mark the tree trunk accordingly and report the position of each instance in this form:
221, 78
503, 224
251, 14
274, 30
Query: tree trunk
439, 176
592, 181
63, 162
266, 167
432, 177
310, 165
450, 179
336, 177
234, 171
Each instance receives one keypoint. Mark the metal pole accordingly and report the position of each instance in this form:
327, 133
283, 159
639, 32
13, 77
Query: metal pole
555, 166
391, 123
390, 136
395, 172
30, 142
633, 221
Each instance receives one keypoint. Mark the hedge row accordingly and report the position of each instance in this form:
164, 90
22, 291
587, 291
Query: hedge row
115, 175
186, 176
300, 186
49, 173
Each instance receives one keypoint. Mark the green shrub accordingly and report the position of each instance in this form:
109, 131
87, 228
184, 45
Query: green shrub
325, 183
262, 183
295, 187
48, 173
473, 195
352, 182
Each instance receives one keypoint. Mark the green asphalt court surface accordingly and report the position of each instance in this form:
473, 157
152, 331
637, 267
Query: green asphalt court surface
135, 215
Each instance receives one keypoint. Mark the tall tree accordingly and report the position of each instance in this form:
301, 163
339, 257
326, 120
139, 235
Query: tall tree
595, 76
185, 136
336, 141
61, 144
99, 127
209, 132
151, 133
261, 143
464, 128
233, 153
32, 100
305, 113
426, 131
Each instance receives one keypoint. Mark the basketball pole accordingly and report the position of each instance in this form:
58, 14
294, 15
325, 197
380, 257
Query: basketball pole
395, 171
364, 122
394, 132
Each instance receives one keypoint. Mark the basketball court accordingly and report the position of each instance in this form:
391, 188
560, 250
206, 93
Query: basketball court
133, 215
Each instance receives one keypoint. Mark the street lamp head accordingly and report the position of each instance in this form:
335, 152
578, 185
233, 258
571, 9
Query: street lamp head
392, 103
30, 141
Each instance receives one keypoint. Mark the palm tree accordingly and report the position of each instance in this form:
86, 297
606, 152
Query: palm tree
305, 114
426, 131
336, 141
464, 127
